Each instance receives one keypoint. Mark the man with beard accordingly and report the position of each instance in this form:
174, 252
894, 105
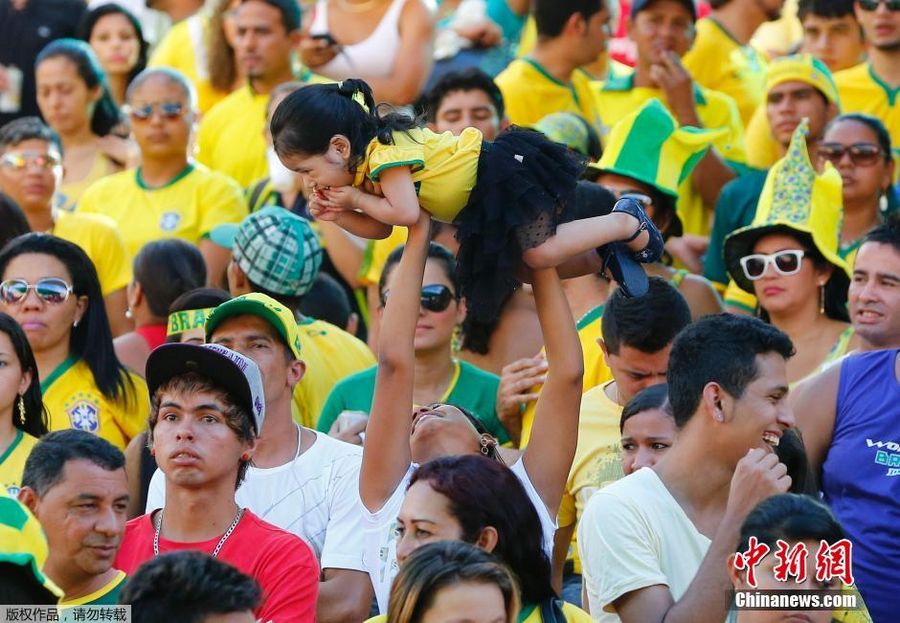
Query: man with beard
871, 87
74, 483
722, 58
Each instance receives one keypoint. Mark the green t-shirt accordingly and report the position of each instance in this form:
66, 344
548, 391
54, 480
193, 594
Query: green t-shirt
473, 389
735, 208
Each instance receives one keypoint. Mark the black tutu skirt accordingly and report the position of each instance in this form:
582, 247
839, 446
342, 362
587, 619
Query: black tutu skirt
525, 184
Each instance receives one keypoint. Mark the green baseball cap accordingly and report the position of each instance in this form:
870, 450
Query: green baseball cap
265, 307
276, 249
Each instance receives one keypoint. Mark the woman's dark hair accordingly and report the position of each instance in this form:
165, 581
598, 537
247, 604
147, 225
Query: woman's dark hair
792, 518
437, 252
188, 587
874, 124
220, 61
482, 493
12, 220
653, 397
792, 452
91, 340
435, 566
307, 119
35, 415
166, 269
835, 287
106, 114
90, 19
476, 334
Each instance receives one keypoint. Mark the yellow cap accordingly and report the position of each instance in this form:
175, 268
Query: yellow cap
265, 307
804, 68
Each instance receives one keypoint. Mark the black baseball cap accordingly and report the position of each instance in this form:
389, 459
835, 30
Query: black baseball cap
639, 5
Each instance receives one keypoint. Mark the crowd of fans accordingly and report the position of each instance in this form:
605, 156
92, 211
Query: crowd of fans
435, 311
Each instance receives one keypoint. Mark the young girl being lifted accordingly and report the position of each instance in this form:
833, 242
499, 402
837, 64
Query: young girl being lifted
368, 172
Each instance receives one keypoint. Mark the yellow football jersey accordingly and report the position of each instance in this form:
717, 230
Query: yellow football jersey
330, 354
598, 460
99, 237
230, 139
12, 463
73, 400
531, 93
595, 369
188, 207
740, 70
862, 90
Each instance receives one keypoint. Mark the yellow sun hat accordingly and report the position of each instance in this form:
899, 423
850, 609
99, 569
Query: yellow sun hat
796, 200
22, 543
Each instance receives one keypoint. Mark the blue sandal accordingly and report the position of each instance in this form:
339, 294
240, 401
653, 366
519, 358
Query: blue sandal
624, 265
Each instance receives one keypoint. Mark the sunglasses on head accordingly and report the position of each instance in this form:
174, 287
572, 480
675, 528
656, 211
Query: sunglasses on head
785, 262
22, 160
166, 110
435, 297
861, 154
50, 290
872, 5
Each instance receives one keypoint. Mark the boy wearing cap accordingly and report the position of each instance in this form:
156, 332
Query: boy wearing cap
663, 31
797, 87
276, 253
300, 480
207, 412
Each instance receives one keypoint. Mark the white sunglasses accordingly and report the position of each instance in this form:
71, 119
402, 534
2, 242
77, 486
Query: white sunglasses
785, 263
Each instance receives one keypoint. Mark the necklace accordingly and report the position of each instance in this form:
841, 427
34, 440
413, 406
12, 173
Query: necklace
219, 545
358, 7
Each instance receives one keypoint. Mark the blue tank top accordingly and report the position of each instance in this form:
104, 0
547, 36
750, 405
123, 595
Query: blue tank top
861, 475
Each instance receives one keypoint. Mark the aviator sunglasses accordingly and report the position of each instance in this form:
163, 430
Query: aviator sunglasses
50, 290
861, 154
435, 297
785, 262
166, 110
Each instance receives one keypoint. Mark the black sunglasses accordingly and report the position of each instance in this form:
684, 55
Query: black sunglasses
872, 5
435, 297
861, 154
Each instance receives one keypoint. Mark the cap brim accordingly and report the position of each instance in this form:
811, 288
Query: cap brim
171, 360
246, 306
224, 234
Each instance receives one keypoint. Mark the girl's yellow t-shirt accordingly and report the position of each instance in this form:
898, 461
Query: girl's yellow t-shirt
73, 400
444, 167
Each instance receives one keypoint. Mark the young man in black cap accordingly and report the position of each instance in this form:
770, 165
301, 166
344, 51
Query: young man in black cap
206, 415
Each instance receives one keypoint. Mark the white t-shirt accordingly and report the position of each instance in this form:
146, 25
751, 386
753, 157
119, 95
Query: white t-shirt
380, 556
633, 534
315, 496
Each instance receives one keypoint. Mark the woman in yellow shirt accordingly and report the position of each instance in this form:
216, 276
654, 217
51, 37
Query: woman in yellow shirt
50, 287
22, 417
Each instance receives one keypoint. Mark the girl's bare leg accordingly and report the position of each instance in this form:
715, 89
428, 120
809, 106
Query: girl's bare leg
579, 237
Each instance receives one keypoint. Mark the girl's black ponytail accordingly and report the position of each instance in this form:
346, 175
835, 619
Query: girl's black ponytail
308, 118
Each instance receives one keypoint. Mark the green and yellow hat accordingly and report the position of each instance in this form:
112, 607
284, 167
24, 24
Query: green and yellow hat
263, 306
22, 543
798, 200
649, 146
187, 320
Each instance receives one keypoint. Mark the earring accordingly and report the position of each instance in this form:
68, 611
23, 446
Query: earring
822, 299
245, 457
883, 203
486, 446
129, 314
456, 339
74, 324
21, 410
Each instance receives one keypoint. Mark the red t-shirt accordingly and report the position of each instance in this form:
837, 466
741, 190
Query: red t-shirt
281, 562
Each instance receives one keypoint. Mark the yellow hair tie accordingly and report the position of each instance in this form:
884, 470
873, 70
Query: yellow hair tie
187, 320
